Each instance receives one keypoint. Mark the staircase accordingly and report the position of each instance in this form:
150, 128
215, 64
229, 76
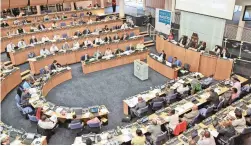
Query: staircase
25, 74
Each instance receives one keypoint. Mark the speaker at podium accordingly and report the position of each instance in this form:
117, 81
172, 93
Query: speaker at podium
140, 70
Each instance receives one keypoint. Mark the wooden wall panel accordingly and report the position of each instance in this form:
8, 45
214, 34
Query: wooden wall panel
51, 2
155, 4
207, 65
223, 69
38, 2
180, 53
18, 3
193, 58
5, 4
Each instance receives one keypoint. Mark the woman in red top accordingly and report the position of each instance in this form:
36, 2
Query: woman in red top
170, 36
114, 5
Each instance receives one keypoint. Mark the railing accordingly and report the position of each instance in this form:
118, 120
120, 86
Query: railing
231, 32
151, 31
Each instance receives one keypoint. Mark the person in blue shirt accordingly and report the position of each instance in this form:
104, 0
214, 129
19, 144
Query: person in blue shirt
176, 62
26, 84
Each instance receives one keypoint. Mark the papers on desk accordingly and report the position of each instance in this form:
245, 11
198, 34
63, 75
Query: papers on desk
33, 90
213, 132
132, 102
78, 140
217, 90
176, 85
104, 110
183, 108
205, 95
33, 99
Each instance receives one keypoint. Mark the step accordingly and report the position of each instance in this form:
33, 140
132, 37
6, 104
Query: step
9, 66
143, 35
143, 32
24, 77
147, 42
25, 72
7, 63
151, 44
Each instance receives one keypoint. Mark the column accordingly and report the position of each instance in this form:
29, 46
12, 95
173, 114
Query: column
167, 5
241, 25
102, 3
144, 4
38, 10
173, 10
72, 6
121, 9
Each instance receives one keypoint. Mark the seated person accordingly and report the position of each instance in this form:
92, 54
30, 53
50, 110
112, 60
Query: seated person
88, 43
75, 45
176, 62
202, 47
239, 121
157, 98
213, 99
89, 21
21, 44
206, 139
163, 55
55, 65
24, 100
96, 5
46, 17
108, 38
78, 33
54, 25
45, 39
16, 22
53, 49
106, 28
130, 48
33, 40
74, 119
48, 125
46, 70
26, 84
20, 31
206, 82
183, 40
155, 130
5, 139
63, 16
170, 36
81, 21
97, 29
98, 41
85, 57
226, 130
31, 55
124, 26
89, 13
97, 54
74, 15
9, 48
234, 94
86, 31
4, 24
44, 52
172, 119
125, 36
56, 37
116, 37
217, 50
224, 53
182, 88
139, 139
41, 27
3, 67
118, 51
196, 85
94, 123
236, 84
141, 104
191, 115
108, 52
90, 6
56, 17
65, 46
74, 22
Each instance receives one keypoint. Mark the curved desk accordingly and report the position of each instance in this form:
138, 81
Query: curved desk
74, 56
10, 82
20, 56
69, 30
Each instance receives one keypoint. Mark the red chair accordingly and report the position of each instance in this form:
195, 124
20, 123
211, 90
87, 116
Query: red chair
181, 127
38, 113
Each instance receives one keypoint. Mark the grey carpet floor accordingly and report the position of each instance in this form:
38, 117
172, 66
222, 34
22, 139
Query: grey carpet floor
108, 87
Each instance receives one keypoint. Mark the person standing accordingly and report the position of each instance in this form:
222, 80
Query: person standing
114, 5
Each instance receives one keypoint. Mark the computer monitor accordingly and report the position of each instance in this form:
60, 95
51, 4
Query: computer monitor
94, 109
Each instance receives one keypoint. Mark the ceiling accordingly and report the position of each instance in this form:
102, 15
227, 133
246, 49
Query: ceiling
243, 2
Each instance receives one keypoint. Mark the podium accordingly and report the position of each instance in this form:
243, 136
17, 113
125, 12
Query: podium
140, 70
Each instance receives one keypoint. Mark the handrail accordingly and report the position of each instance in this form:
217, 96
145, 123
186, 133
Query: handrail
151, 30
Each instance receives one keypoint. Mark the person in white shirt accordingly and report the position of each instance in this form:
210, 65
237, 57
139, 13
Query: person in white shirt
97, 54
239, 121
108, 52
10, 47
182, 88
56, 37
44, 52
46, 17
45, 39
47, 124
88, 42
173, 120
89, 21
54, 25
124, 26
75, 45
98, 41
21, 44
53, 49
237, 85
206, 139
16, 22
65, 46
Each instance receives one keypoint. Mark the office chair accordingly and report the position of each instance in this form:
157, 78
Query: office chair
246, 131
41, 71
82, 14
220, 106
32, 118
78, 125
179, 63
206, 112
157, 105
230, 141
24, 111
18, 99
140, 112
161, 139
194, 121
132, 34
63, 24
65, 36
94, 128
171, 97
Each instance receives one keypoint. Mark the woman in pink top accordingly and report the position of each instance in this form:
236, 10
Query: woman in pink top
234, 94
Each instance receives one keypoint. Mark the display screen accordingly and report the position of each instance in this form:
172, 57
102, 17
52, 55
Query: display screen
247, 14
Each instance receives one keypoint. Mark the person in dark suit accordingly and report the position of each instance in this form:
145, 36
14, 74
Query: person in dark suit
89, 13
20, 31
41, 26
86, 31
118, 51
163, 55
85, 57
114, 6
33, 40
202, 46
78, 33
125, 36
157, 98
4, 24
31, 55
128, 48
116, 37
213, 99
107, 38
141, 104
96, 5
81, 21
106, 28
55, 65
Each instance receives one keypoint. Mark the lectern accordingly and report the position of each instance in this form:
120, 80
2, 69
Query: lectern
141, 70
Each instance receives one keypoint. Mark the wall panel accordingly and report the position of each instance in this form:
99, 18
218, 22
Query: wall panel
155, 4
38, 2
5, 4
18, 3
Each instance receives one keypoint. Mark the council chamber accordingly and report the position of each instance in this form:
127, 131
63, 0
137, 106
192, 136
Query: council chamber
125, 72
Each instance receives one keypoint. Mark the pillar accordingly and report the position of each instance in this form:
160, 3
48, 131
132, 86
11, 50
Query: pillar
102, 3
144, 4
241, 25
121, 9
72, 6
38, 10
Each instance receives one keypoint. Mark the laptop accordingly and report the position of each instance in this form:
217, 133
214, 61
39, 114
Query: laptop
94, 109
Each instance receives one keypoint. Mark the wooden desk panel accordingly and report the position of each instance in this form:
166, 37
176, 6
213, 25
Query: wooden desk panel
207, 65
10, 82
168, 48
159, 44
223, 69
105, 64
56, 80
192, 58
178, 52
162, 69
